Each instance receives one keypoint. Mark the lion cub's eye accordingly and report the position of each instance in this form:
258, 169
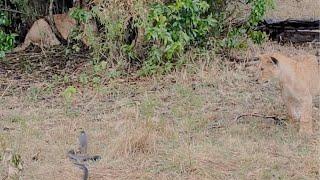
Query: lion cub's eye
261, 69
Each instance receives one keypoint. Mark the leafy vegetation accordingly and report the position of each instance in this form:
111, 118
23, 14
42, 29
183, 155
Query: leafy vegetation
172, 28
156, 34
80, 15
258, 11
6, 39
69, 93
176, 27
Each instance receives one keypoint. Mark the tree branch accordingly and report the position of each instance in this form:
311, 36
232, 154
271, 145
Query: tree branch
12, 10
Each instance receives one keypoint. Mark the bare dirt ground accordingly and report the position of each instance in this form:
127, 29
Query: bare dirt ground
185, 125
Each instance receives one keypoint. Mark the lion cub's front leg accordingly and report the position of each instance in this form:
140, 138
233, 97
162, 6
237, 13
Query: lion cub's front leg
292, 105
306, 116
293, 110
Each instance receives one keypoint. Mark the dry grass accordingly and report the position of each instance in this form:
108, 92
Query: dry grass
295, 9
178, 126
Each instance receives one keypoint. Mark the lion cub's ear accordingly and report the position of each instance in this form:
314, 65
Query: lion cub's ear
274, 60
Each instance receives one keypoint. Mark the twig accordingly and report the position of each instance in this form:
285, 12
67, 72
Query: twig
276, 119
11, 10
50, 20
51, 10
6, 89
215, 126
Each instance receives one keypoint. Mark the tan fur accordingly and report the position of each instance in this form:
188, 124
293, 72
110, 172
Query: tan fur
299, 81
42, 35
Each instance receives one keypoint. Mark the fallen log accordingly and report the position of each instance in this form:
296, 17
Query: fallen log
292, 30
291, 24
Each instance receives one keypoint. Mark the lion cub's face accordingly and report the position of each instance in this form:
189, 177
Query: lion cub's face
268, 68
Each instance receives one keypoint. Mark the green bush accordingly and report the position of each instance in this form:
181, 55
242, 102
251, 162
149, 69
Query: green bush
173, 28
168, 30
6, 39
258, 11
81, 15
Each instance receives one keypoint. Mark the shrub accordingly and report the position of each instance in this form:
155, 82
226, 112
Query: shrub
170, 29
6, 39
258, 11
165, 29
235, 33
173, 28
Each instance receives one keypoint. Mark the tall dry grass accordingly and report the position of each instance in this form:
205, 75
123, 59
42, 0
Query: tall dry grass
295, 9
178, 126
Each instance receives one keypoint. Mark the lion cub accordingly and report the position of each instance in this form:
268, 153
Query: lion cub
42, 35
299, 81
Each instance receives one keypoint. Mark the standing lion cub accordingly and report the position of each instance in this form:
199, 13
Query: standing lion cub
299, 81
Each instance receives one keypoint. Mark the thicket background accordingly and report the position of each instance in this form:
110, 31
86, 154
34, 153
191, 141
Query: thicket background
152, 35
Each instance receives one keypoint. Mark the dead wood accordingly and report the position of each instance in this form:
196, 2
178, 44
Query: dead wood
292, 30
276, 120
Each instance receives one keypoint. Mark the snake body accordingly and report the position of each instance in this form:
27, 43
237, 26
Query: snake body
81, 158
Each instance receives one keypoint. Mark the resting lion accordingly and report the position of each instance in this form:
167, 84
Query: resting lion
299, 81
41, 33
